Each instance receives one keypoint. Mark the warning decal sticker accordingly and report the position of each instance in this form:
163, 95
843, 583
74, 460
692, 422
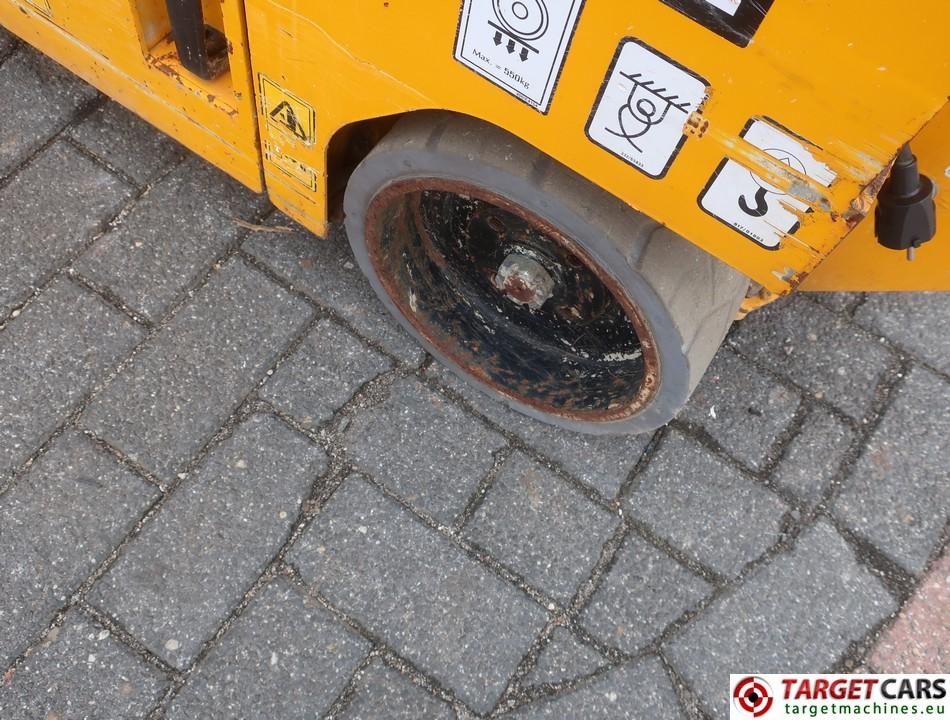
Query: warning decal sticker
43, 6
747, 203
520, 45
735, 20
288, 113
291, 167
643, 108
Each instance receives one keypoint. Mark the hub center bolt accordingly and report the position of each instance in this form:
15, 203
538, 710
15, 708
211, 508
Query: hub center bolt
524, 281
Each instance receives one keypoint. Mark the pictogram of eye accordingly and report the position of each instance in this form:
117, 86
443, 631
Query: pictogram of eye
524, 19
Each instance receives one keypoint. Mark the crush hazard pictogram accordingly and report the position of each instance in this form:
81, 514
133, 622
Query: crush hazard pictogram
287, 112
519, 45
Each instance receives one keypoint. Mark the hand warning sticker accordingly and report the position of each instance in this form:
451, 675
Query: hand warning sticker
287, 112
520, 45
643, 107
747, 203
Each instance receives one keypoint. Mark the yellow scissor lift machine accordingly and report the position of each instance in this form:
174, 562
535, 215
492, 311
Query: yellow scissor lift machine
566, 201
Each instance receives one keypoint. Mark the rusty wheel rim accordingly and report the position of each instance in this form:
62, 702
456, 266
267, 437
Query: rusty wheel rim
510, 300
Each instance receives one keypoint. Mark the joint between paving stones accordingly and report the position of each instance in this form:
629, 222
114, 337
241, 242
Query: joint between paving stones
76, 598
121, 634
392, 658
111, 169
473, 550
475, 500
65, 267
857, 656
108, 297
517, 443
342, 701
325, 310
84, 110
567, 618
688, 698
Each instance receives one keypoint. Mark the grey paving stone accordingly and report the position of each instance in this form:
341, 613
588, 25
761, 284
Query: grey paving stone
705, 508
743, 409
644, 592
57, 524
39, 98
186, 382
424, 447
814, 455
50, 357
637, 691
81, 672
48, 211
541, 527
800, 611
839, 301
170, 237
174, 584
285, 657
7, 41
899, 493
818, 349
324, 268
382, 692
565, 658
915, 321
602, 462
330, 366
126, 142
405, 582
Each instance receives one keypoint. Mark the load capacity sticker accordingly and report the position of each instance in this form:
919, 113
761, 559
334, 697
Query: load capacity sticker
643, 108
520, 45
735, 20
747, 203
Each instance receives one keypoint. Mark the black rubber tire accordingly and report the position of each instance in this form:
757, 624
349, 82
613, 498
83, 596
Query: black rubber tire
687, 298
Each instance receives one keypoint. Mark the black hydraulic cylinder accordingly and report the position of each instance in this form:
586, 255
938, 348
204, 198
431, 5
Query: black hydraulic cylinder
201, 49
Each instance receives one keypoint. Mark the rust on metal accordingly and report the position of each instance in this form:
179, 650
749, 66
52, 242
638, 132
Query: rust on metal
863, 204
444, 286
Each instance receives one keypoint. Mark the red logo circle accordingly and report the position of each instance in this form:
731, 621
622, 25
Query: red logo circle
753, 695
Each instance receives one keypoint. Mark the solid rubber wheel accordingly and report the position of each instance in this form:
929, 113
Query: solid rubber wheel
530, 282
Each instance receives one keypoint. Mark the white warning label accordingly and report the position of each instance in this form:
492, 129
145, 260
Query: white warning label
643, 108
730, 7
747, 203
520, 45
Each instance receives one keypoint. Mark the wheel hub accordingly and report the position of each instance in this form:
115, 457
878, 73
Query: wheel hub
524, 281
507, 298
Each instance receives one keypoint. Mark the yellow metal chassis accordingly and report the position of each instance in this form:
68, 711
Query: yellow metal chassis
312, 84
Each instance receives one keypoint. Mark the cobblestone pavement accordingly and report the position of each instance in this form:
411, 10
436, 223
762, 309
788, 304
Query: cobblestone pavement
230, 486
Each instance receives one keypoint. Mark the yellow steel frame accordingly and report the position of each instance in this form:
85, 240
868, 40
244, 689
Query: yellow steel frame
305, 74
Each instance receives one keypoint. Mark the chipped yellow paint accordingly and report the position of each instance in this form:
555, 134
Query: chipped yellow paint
122, 48
828, 70
859, 263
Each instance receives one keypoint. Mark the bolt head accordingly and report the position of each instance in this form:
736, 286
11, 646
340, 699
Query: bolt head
524, 281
